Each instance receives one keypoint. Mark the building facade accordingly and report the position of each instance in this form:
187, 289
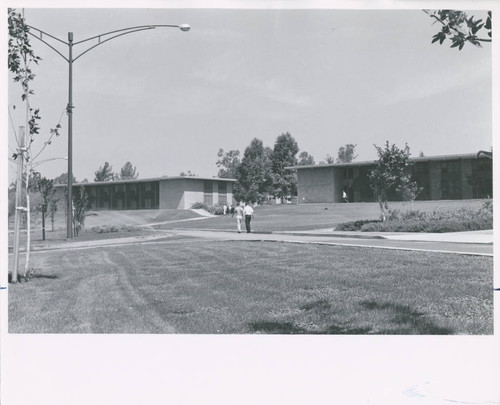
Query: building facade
157, 193
440, 177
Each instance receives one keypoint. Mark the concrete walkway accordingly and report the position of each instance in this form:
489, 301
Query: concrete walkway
458, 237
470, 243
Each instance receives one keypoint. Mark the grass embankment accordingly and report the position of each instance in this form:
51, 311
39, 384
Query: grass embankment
233, 287
104, 225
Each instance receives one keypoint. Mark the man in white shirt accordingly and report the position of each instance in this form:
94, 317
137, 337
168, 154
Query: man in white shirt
248, 211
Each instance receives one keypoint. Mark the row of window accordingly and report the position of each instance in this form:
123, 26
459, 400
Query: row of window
450, 183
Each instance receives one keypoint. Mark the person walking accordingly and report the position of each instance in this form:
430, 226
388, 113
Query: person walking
238, 211
344, 196
248, 211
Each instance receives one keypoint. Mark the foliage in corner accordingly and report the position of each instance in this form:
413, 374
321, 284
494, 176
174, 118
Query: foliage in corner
458, 27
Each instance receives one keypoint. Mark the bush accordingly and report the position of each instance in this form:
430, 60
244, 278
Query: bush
109, 229
199, 206
438, 221
212, 209
353, 226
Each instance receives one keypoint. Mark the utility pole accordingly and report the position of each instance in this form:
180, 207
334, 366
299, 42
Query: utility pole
17, 215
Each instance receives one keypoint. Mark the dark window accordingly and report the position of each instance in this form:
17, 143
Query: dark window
451, 184
481, 178
348, 173
208, 197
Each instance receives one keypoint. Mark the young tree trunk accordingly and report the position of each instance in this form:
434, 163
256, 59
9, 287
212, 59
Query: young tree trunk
17, 217
382, 208
28, 233
43, 225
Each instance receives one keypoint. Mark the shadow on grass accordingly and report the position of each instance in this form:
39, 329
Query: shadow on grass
50, 276
289, 328
21, 278
272, 327
408, 320
320, 305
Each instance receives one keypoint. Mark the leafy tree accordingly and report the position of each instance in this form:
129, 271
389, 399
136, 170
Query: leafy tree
105, 173
460, 28
188, 174
346, 153
128, 172
254, 174
20, 58
284, 154
392, 173
329, 160
52, 210
81, 205
305, 159
228, 163
47, 192
63, 179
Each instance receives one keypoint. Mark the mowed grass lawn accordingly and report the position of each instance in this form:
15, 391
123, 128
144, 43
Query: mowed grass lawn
192, 286
272, 218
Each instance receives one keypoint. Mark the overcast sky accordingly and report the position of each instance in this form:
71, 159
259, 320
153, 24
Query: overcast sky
167, 100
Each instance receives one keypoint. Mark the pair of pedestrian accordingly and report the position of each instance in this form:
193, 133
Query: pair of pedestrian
241, 211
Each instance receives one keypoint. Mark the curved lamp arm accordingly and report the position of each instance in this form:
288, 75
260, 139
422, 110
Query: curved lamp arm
40, 38
119, 33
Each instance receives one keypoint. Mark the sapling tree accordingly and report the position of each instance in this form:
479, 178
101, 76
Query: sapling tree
47, 192
52, 211
81, 205
392, 173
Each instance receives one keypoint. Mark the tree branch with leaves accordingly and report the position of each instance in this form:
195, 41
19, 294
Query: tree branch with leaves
461, 28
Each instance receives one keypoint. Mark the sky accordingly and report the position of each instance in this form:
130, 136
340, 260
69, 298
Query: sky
168, 100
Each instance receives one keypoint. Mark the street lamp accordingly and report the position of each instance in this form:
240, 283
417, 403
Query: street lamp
41, 162
101, 39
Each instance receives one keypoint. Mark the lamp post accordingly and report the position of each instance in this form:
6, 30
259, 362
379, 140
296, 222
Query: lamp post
101, 39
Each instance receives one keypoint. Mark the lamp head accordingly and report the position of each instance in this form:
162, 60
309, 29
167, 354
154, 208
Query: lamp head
185, 27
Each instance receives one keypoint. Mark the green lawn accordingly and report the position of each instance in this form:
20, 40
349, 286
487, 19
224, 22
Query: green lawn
192, 286
270, 218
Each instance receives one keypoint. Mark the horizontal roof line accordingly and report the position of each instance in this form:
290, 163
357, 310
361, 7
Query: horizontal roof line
371, 162
166, 178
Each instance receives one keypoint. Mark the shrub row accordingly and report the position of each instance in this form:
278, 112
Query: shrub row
463, 219
112, 229
213, 209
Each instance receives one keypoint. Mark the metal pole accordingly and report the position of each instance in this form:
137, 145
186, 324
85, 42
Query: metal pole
18, 208
69, 109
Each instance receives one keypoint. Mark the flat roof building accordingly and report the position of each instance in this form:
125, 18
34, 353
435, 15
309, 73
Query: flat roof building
179, 192
445, 177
